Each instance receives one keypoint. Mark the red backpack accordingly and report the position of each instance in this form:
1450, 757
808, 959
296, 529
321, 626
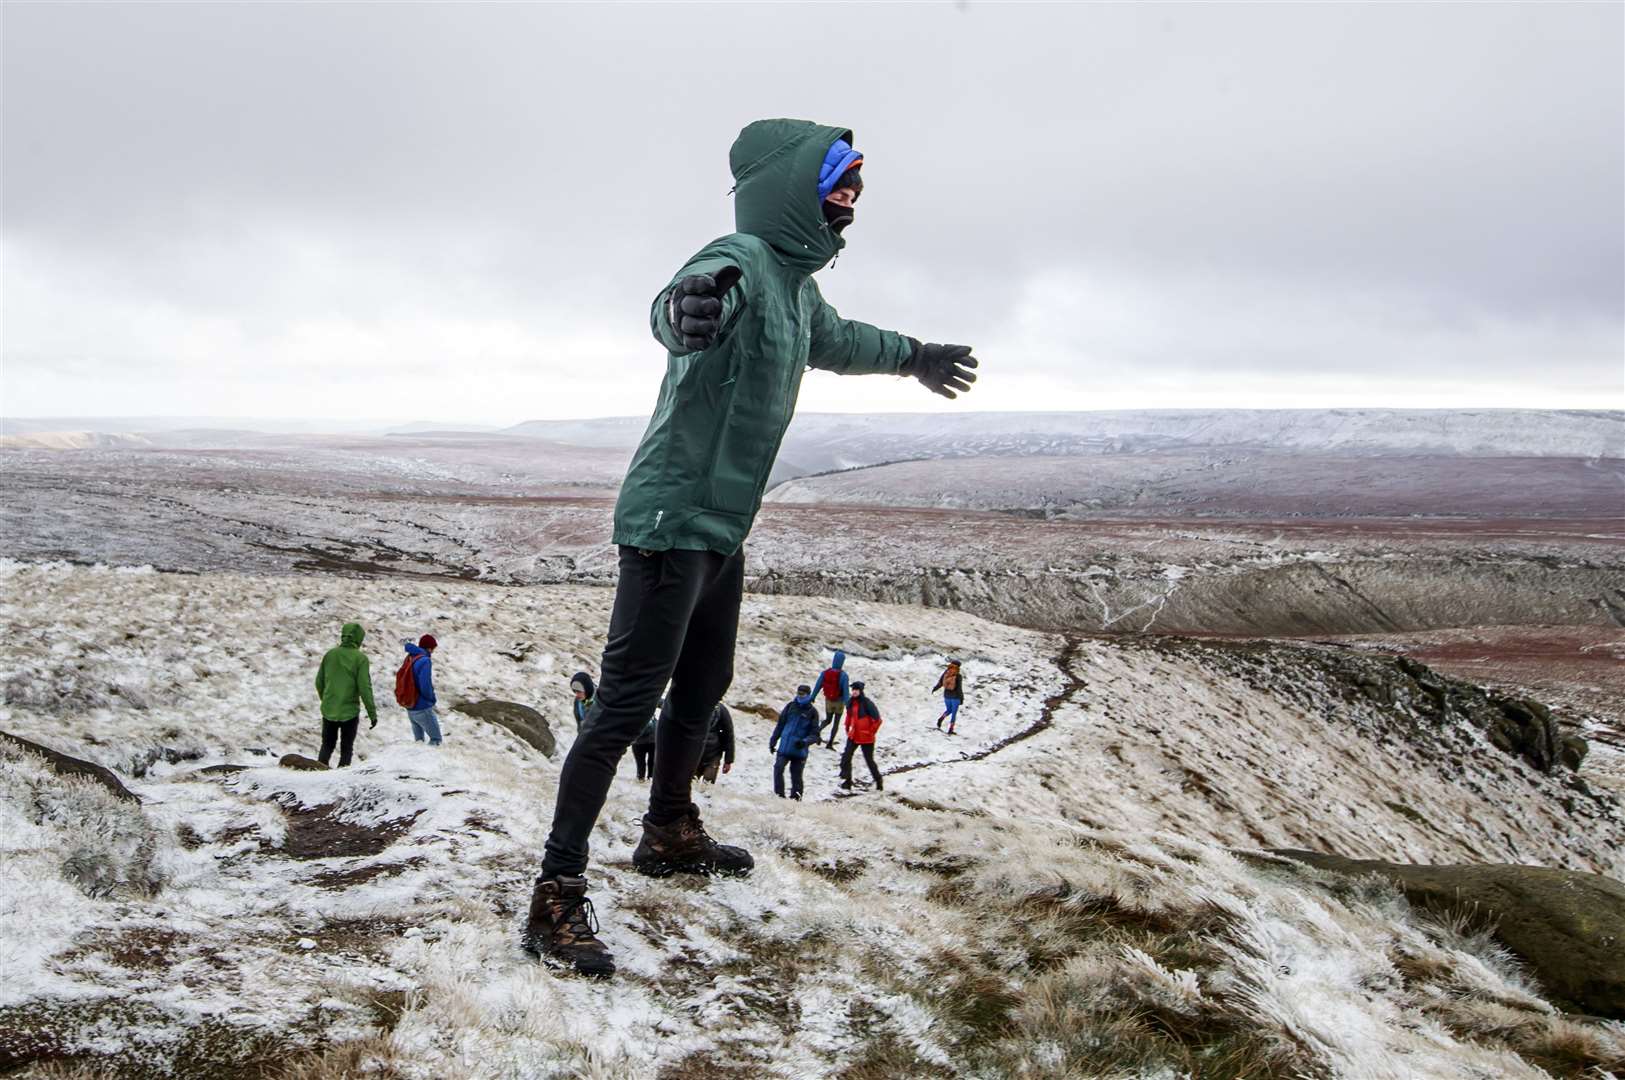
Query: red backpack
832, 684
406, 684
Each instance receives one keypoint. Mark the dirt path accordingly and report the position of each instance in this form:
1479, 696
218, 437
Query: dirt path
1046, 716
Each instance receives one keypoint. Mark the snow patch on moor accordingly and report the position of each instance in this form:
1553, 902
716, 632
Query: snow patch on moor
1050, 893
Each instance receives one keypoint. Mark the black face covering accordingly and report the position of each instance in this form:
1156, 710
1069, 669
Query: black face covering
837, 216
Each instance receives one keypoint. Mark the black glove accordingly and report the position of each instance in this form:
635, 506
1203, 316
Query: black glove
373, 724
944, 369
694, 308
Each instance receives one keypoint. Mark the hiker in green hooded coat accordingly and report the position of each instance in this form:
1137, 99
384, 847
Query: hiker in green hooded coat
740, 322
344, 685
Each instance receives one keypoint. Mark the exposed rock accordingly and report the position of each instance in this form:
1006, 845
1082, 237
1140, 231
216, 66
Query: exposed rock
301, 762
1572, 750
227, 770
1409, 692
522, 720
68, 765
1569, 927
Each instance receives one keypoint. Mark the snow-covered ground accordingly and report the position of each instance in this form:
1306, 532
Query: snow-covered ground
1053, 893
1236, 485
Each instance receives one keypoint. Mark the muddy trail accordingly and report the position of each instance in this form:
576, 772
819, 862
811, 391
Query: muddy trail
1072, 687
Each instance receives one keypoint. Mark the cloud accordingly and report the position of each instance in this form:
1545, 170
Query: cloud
220, 208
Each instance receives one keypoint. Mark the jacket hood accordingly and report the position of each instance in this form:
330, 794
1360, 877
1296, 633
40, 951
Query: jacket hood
352, 634
776, 166
840, 660
586, 683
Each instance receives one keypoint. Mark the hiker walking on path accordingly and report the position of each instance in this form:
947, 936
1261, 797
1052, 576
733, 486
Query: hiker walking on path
414, 689
952, 684
344, 684
581, 686
862, 722
719, 746
796, 730
643, 747
741, 322
837, 692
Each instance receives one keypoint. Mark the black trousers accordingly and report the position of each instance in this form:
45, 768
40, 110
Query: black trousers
834, 709
868, 759
675, 619
341, 732
644, 755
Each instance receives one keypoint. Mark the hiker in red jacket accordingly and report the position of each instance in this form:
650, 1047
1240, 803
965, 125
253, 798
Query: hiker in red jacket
862, 722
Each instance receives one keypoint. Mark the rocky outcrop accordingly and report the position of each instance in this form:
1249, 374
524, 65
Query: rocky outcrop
68, 765
1293, 596
1572, 751
523, 721
1517, 726
1569, 927
301, 763
1406, 692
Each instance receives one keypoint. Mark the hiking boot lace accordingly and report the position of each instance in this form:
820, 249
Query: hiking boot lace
577, 918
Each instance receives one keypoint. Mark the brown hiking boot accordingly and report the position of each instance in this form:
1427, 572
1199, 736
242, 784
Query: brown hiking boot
562, 929
685, 847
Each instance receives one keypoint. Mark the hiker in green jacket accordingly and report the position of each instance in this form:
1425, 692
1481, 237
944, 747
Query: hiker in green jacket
740, 322
344, 680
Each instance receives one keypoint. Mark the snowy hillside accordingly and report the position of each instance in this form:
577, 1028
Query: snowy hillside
823, 442
1052, 894
73, 440
1234, 484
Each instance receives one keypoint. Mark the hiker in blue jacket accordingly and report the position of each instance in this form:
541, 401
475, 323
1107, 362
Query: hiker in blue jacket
425, 722
796, 730
837, 693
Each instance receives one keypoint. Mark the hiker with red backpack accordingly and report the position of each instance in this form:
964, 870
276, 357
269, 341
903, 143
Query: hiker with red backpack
414, 688
837, 692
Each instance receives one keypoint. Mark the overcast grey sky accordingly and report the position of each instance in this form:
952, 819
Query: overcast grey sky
462, 212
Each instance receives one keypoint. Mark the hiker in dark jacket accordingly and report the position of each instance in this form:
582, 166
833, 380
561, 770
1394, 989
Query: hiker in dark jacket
796, 730
425, 721
740, 322
643, 747
344, 684
719, 746
862, 722
581, 686
952, 684
832, 682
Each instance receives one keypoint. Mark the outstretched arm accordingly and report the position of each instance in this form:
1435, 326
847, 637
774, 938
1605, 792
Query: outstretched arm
849, 347
691, 312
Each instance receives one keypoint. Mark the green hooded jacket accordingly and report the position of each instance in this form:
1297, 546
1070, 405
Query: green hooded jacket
345, 676
697, 478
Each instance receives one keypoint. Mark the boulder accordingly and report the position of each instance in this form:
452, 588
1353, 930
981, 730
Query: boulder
1568, 926
68, 765
301, 762
522, 720
1572, 750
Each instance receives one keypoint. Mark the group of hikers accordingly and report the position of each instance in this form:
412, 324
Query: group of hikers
344, 687
799, 727
740, 323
